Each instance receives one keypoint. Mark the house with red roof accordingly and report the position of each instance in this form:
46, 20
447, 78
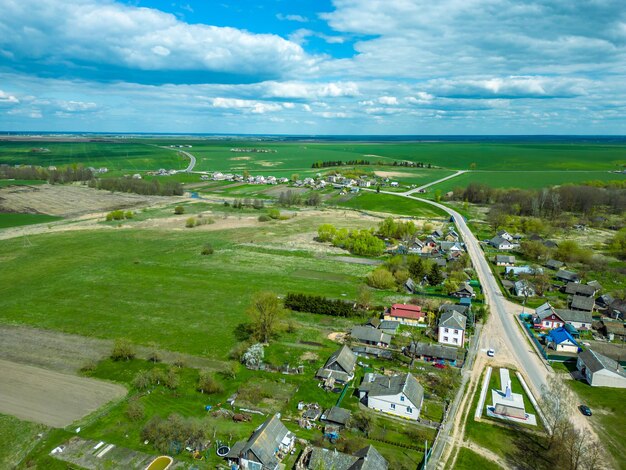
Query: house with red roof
411, 315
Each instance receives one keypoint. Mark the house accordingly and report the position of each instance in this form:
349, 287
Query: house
452, 236
581, 302
561, 340
462, 309
451, 247
266, 447
567, 276
410, 286
365, 183
399, 395
371, 351
502, 243
524, 288
579, 319
604, 301
415, 247
389, 327
464, 291
394, 184
506, 235
371, 336
505, 260
547, 318
554, 264
574, 288
434, 352
614, 330
336, 415
550, 244
596, 285
438, 233
316, 458
411, 315
339, 366
617, 309
451, 328
600, 371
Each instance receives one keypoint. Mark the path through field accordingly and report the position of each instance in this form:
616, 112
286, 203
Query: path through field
51, 398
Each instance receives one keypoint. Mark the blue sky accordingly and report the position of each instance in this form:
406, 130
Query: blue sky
314, 67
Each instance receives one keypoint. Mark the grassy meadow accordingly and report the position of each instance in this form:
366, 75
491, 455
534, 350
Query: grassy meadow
16, 220
21, 434
370, 201
470, 460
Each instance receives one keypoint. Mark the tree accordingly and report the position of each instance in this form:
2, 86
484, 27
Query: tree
135, 410
450, 285
123, 350
364, 298
417, 270
265, 312
246, 174
314, 199
555, 406
179, 210
142, 380
434, 275
253, 357
207, 383
191, 222
381, 278
534, 249
618, 244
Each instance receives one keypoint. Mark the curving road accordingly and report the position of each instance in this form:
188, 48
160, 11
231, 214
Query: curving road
192, 159
432, 183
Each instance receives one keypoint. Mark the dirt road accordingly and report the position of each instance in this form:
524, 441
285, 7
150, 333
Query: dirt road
51, 398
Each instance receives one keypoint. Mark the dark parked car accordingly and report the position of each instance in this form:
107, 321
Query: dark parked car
584, 409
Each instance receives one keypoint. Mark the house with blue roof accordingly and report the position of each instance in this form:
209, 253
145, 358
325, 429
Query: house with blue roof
561, 340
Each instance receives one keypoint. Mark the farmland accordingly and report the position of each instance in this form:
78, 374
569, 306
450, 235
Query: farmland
17, 219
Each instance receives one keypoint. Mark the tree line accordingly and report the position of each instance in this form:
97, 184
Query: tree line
331, 163
131, 185
320, 305
65, 175
358, 242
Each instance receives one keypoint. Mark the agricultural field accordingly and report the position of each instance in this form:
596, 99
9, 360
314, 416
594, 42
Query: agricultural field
370, 201
5, 183
17, 219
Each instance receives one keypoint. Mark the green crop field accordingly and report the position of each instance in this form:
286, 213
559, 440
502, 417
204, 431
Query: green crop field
117, 157
371, 201
5, 183
16, 220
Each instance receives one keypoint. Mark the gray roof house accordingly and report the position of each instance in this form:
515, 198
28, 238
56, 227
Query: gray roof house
505, 260
567, 276
265, 448
452, 319
601, 371
617, 309
340, 365
501, 243
367, 458
581, 302
554, 264
434, 351
369, 335
464, 291
400, 395
577, 318
574, 288
462, 309
336, 415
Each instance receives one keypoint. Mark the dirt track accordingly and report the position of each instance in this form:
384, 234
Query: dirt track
51, 398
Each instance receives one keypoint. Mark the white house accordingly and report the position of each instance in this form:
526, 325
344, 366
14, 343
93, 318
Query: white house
452, 328
502, 243
506, 235
524, 288
394, 184
559, 339
601, 371
399, 395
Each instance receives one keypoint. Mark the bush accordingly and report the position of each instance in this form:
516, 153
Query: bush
264, 218
135, 410
161, 433
207, 383
179, 210
171, 379
142, 380
274, 213
123, 350
90, 366
380, 278
207, 249
319, 305
204, 221
191, 222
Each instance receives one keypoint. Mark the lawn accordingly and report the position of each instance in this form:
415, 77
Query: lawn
16, 220
21, 434
371, 201
609, 415
469, 460
153, 286
5, 183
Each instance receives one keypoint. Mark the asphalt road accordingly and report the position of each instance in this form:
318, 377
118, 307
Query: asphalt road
192, 161
415, 190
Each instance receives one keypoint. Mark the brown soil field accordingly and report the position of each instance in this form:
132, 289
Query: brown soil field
70, 200
67, 353
51, 398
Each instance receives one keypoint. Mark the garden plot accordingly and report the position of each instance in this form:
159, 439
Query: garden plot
51, 398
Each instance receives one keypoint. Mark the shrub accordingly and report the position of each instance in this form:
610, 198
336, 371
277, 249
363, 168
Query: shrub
135, 410
274, 213
161, 433
142, 380
207, 249
123, 350
154, 356
264, 218
207, 383
319, 305
171, 379
179, 210
90, 366
191, 222
381, 278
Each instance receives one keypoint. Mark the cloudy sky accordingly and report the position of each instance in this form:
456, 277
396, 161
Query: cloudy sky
314, 67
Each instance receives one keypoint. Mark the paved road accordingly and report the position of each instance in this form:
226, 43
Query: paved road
192, 159
415, 190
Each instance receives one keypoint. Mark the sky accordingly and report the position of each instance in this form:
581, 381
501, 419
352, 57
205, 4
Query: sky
314, 67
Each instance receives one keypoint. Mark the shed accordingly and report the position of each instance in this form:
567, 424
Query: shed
601, 371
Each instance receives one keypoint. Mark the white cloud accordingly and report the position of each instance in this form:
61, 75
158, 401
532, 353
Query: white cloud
7, 98
511, 87
388, 100
255, 107
296, 18
76, 106
301, 90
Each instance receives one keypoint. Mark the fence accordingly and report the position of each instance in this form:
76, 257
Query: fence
540, 348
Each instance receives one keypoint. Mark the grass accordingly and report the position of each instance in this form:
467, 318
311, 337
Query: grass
5, 183
469, 460
16, 220
609, 415
371, 201
21, 434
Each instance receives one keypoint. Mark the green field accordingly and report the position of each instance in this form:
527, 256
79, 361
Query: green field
371, 201
524, 179
470, 460
16, 220
5, 183
21, 435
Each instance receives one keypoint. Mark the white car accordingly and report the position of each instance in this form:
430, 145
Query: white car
491, 352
